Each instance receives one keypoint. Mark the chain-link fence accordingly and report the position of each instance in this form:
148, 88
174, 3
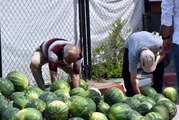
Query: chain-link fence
25, 24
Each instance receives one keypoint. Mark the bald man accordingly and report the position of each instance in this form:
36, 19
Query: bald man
58, 53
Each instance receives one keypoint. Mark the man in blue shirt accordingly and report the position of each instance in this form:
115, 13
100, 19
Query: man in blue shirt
142, 47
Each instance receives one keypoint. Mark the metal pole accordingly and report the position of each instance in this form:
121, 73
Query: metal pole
83, 36
0, 56
88, 38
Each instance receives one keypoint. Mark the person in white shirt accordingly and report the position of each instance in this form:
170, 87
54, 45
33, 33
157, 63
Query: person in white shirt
169, 18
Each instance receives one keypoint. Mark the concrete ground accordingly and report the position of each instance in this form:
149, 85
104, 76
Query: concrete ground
102, 85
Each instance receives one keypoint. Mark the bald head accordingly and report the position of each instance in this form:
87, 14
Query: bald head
71, 53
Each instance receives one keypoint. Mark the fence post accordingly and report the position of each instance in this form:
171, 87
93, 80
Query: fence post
88, 38
85, 41
0, 56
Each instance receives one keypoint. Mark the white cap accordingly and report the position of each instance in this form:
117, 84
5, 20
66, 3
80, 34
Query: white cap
148, 61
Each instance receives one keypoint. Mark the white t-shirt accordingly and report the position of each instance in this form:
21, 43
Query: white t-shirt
170, 15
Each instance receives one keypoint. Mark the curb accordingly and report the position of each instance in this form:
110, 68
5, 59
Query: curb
169, 79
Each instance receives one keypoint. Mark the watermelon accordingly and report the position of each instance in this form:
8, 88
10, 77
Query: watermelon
56, 110
148, 99
148, 91
133, 115
19, 80
162, 110
6, 87
171, 107
139, 96
113, 95
91, 104
31, 94
103, 107
4, 105
144, 107
133, 102
76, 118
139, 117
84, 84
34, 88
29, 114
77, 91
10, 113
119, 111
16, 94
48, 97
157, 97
82, 107
153, 116
37, 104
1, 97
20, 102
98, 116
94, 94
170, 93
60, 84
61, 93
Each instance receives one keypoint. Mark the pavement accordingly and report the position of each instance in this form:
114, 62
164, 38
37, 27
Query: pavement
102, 85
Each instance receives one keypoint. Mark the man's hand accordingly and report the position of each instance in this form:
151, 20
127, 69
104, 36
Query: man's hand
134, 84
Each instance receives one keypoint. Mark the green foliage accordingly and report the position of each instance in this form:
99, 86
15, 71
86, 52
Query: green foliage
109, 55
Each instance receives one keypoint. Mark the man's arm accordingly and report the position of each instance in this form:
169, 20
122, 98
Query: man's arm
53, 71
53, 76
166, 22
167, 42
134, 83
76, 80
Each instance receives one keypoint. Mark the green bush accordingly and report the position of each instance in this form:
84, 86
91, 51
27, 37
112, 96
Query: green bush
109, 55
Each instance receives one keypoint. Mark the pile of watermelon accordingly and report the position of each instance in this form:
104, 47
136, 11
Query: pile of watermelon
21, 101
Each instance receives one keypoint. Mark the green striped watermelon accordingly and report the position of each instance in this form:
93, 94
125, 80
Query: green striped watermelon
148, 91
29, 114
37, 104
6, 87
60, 84
113, 95
61, 93
98, 116
48, 97
103, 107
119, 111
170, 93
56, 110
153, 116
82, 107
77, 91
162, 110
10, 113
19, 80
94, 94
171, 107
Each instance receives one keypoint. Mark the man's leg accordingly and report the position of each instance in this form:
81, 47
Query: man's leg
158, 77
176, 62
126, 75
37, 61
